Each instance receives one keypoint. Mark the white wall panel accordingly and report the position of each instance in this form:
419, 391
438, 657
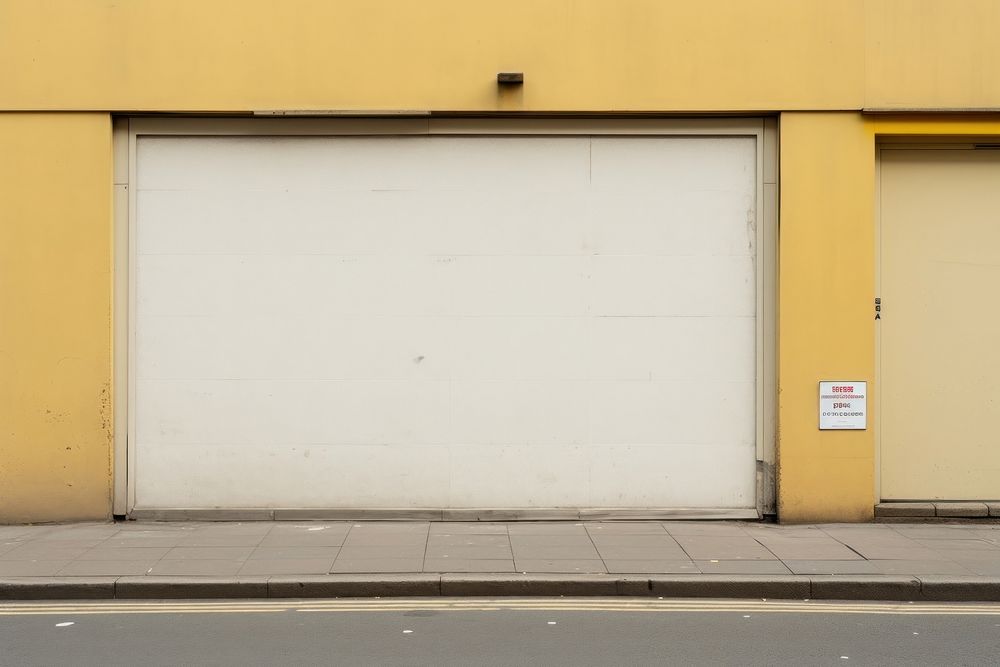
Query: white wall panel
550, 476
444, 322
218, 412
365, 163
672, 348
360, 476
687, 286
672, 412
635, 474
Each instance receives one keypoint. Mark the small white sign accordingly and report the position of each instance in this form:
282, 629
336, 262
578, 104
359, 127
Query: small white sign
843, 405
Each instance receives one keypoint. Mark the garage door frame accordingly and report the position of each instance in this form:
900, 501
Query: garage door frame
764, 130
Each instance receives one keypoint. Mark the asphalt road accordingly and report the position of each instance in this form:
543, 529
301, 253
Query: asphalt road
498, 632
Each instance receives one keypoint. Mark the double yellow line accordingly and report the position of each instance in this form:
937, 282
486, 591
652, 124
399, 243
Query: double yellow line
633, 605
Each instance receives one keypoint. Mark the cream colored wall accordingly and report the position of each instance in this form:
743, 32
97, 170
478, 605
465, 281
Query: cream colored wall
55, 316
939, 253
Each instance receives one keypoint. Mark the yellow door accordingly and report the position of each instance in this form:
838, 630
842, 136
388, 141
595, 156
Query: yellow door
940, 325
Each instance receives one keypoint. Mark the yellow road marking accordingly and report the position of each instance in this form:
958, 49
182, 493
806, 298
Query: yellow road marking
546, 605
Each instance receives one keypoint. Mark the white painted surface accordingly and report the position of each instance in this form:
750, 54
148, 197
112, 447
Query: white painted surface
445, 322
843, 405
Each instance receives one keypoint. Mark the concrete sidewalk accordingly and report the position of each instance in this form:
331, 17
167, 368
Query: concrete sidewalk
346, 559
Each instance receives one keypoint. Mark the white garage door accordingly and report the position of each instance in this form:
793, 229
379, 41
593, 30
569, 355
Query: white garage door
444, 322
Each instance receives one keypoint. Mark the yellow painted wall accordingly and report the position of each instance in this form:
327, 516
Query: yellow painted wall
932, 54
827, 286
55, 316
581, 55
825, 326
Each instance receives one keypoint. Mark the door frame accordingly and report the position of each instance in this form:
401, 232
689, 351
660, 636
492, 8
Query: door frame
764, 130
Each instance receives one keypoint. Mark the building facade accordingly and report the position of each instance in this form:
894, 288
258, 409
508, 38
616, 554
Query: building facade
318, 259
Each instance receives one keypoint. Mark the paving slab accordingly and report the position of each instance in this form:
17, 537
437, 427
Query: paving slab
468, 565
304, 537
351, 552
977, 567
555, 553
389, 527
973, 543
110, 568
757, 530
742, 567
936, 532
550, 528
634, 540
559, 565
317, 558
197, 568
644, 552
473, 528
272, 553
918, 567
12, 532
209, 540
32, 568
143, 540
808, 548
581, 539
830, 566
706, 547
124, 553
34, 551
470, 552
915, 552
396, 565
966, 555
207, 553
265, 567
385, 540
708, 529
625, 528
9, 546
468, 540
650, 566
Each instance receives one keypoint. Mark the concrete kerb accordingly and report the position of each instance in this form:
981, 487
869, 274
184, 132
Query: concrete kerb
58, 588
787, 587
528, 585
355, 586
960, 588
865, 587
156, 588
